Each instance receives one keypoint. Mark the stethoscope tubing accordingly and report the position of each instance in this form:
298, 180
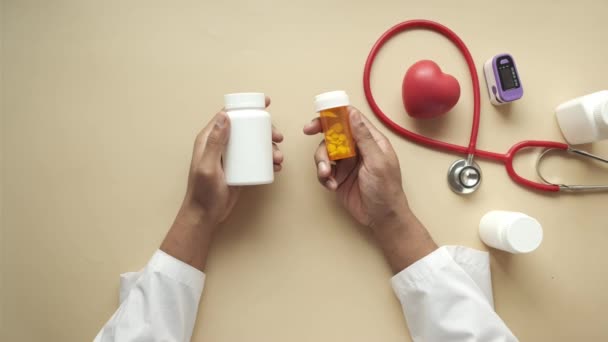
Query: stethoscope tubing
471, 149
430, 25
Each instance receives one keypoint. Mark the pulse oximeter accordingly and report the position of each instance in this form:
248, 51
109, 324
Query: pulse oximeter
502, 79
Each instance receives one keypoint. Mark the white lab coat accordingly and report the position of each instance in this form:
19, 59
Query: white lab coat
446, 296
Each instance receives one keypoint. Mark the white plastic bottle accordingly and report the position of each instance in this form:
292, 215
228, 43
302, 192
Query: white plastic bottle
248, 157
584, 119
510, 231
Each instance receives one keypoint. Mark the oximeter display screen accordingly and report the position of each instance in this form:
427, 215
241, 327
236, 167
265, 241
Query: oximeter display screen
506, 79
507, 73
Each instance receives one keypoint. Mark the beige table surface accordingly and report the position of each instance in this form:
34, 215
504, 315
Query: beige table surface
101, 101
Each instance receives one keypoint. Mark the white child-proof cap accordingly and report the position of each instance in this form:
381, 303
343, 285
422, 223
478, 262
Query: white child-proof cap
601, 119
510, 231
331, 99
244, 100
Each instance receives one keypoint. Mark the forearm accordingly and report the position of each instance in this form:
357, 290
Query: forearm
404, 240
189, 238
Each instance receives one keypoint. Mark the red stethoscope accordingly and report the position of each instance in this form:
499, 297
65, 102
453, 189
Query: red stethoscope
464, 175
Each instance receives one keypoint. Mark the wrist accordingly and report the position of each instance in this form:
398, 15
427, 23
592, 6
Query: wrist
394, 218
395, 227
194, 217
404, 240
190, 237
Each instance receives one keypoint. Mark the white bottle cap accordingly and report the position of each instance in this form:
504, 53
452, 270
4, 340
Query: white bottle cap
601, 119
524, 234
510, 231
331, 99
244, 100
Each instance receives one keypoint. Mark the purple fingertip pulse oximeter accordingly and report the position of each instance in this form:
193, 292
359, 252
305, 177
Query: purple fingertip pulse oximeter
502, 79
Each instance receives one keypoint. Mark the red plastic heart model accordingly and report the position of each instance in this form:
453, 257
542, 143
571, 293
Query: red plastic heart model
427, 91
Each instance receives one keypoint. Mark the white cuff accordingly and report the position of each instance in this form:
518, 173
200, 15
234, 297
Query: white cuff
415, 275
476, 264
177, 270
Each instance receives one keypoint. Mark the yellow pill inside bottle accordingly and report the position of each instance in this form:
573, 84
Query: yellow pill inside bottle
333, 112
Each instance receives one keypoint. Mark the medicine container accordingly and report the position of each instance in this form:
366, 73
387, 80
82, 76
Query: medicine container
334, 115
584, 119
510, 231
248, 156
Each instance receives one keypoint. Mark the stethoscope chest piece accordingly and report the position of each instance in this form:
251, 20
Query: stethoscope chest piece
464, 176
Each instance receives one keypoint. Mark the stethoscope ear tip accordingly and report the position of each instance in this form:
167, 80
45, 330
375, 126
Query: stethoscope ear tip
464, 176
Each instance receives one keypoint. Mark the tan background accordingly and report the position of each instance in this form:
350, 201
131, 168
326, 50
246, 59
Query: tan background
101, 101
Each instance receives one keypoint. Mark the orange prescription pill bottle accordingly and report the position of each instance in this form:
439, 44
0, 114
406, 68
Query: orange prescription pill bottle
333, 112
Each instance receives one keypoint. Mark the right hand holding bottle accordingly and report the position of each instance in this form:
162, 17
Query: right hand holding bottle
368, 185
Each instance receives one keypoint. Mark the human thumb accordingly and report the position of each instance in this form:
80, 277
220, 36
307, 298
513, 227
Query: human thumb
217, 139
368, 147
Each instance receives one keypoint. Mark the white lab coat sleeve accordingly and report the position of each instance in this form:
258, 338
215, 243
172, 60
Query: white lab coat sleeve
447, 296
159, 303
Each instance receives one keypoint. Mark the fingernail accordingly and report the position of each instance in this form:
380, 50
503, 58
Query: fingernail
323, 168
221, 120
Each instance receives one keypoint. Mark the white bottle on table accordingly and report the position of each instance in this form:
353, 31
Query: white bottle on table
510, 231
584, 119
248, 157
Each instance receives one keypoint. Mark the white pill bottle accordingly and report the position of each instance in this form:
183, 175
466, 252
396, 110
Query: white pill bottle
584, 119
510, 231
248, 156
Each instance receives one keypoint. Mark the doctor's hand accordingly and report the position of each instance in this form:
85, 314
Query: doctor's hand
369, 187
208, 200
208, 194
